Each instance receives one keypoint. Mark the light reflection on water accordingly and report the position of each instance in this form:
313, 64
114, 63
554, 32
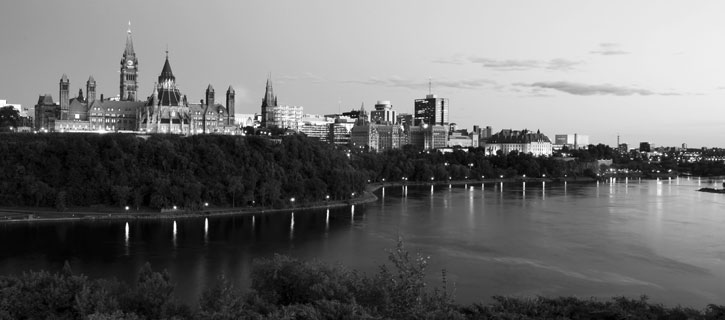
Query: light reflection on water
661, 238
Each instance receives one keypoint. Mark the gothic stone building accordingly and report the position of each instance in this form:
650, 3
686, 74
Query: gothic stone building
165, 111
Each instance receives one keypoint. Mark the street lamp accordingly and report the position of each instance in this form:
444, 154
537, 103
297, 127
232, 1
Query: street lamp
206, 204
126, 208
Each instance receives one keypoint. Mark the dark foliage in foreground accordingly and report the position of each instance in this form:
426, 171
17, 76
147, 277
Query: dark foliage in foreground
287, 288
71, 170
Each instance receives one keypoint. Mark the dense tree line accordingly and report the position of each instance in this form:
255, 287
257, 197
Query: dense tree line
418, 165
161, 171
287, 288
68, 170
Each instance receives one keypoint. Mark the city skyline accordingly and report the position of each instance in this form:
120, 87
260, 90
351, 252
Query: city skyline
647, 71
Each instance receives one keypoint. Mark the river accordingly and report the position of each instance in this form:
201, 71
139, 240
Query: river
659, 238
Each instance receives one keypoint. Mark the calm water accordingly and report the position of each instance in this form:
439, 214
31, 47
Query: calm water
662, 239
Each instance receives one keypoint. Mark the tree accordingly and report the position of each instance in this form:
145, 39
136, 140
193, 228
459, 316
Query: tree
9, 117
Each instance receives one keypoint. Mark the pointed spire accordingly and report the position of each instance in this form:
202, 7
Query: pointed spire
230, 90
166, 73
90, 79
129, 42
64, 78
210, 88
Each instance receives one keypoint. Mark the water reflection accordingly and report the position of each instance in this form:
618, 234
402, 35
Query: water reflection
292, 227
523, 185
579, 245
352, 214
174, 234
206, 229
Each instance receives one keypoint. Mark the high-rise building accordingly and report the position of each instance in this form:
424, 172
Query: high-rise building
383, 113
129, 71
431, 111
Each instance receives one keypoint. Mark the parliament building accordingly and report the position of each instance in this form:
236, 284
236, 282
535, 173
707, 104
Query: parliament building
165, 111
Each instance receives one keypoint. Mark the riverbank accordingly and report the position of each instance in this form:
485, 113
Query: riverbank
29, 214
20, 214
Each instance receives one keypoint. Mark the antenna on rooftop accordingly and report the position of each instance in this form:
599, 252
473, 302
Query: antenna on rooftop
430, 86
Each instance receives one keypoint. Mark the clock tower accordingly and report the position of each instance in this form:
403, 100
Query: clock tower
129, 70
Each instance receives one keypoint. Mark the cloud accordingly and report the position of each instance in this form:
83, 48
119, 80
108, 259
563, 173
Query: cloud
307, 77
609, 49
558, 64
394, 81
581, 89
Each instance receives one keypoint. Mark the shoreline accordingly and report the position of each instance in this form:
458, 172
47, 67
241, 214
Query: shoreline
29, 214
23, 215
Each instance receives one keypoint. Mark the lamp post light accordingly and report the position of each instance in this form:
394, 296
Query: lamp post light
174, 207
126, 208
206, 204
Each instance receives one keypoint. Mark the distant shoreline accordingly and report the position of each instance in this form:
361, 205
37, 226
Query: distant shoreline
29, 214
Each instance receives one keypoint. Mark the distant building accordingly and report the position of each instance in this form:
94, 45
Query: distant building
315, 126
376, 137
165, 111
645, 147
269, 102
428, 137
431, 111
46, 112
623, 147
404, 119
522, 141
463, 138
340, 130
571, 141
247, 120
285, 117
383, 113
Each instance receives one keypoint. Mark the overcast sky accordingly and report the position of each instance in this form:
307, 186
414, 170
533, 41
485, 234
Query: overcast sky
646, 70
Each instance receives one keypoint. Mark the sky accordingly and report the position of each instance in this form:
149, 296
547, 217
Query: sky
642, 70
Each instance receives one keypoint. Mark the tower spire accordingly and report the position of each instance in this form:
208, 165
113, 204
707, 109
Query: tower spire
129, 41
